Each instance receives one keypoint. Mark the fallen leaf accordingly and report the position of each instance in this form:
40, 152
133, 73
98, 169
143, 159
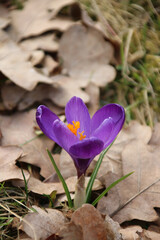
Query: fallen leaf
88, 224
149, 235
14, 64
8, 168
36, 57
18, 129
130, 233
133, 131
41, 224
94, 92
50, 64
59, 93
40, 187
45, 42
4, 17
138, 195
11, 95
39, 21
86, 55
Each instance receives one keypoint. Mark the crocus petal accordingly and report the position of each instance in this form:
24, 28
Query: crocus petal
83, 153
87, 148
113, 111
65, 138
45, 119
76, 110
104, 132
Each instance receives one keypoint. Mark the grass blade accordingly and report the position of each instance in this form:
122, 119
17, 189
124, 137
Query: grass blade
70, 203
111, 186
94, 174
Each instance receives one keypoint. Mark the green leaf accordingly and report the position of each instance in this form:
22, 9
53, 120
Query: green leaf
111, 186
94, 174
70, 203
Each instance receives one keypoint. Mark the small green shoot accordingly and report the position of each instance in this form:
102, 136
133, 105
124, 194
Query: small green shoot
26, 186
94, 174
111, 186
70, 203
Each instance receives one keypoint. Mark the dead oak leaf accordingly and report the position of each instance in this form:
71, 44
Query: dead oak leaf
86, 55
45, 42
138, 195
42, 223
29, 22
18, 129
87, 224
60, 92
15, 65
8, 168
39, 187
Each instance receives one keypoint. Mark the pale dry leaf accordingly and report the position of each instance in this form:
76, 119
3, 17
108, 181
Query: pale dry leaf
14, 64
43, 222
11, 95
112, 161
8, 168
112, 229
155, 139
66, 165
39, 187
4, 17
23, 236
94, 93
45, 42
56, 5
18, 129
87, 222
130, 233
138, 195
86, 55
60, 92
50, 64
149, 235
66, 88
39, 21
36, 57
133, 131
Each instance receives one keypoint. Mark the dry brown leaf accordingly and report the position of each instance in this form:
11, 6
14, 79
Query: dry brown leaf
138, 195
4, 17
42, 223
45, 42
15, 65
88, 224
130, 233
36, 57
18, 129
86, 55
149, 235
94, 92
134, 131
50, 64
155, 139
39, 187
39, 21
112, 161
11, 95
8, 169
59, 93
66, 165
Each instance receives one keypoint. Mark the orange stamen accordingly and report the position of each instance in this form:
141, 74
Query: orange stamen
74, 127
82, 136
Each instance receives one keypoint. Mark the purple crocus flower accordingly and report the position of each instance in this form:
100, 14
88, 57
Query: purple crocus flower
83, 138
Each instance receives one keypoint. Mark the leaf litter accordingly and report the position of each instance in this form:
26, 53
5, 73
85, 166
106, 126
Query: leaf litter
48, 58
